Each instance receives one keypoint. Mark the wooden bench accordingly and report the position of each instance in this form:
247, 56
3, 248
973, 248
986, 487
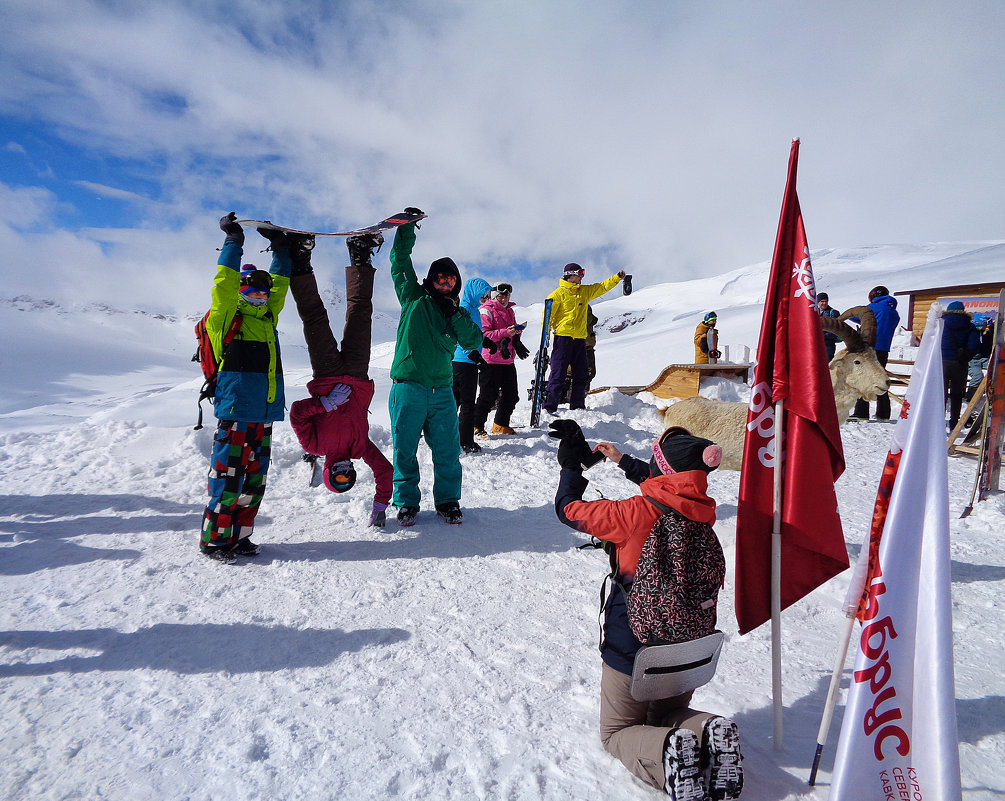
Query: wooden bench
684, 380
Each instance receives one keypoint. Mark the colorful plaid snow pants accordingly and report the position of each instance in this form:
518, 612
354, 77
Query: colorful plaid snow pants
237, 471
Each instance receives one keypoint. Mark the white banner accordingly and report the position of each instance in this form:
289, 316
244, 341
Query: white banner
898, 737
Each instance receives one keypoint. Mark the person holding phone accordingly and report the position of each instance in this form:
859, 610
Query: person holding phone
497, 378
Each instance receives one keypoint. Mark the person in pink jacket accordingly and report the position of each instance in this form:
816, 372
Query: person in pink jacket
332, 422
497, 377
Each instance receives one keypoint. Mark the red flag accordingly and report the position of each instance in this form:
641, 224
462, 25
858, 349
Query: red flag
791, 367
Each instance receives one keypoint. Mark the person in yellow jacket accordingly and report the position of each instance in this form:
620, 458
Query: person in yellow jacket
568, 322
706, 341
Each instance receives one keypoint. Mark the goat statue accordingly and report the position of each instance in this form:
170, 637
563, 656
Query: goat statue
855, 373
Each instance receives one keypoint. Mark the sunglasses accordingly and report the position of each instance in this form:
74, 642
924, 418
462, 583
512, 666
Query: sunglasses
445, 281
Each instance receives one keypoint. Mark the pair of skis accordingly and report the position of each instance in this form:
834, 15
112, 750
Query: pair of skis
541, 360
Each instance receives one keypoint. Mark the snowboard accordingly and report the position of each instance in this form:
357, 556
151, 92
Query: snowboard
316, 467
537, 388
391, 222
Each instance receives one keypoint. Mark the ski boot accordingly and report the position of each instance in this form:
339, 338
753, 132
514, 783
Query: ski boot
219, 553
363, 247
406, 516
682, 767
450, 512
300, 254
723, 759
284, 239
245, 547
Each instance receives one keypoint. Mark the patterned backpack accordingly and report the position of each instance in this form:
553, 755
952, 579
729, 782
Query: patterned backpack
681, 569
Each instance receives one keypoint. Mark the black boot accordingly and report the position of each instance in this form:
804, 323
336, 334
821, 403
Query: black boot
362, 248
300, 255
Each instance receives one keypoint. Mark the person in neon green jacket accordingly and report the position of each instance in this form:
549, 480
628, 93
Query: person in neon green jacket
568, 320
421, 403
249, 390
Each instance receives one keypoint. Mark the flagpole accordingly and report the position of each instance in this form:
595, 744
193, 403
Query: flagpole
776, 577
825, 721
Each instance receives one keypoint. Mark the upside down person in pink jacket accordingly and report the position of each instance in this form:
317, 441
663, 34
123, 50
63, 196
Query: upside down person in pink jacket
333, 422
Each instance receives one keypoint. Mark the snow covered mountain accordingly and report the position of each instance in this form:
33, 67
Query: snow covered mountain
438, 662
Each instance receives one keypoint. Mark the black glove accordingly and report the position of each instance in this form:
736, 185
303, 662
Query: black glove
476, 356
447, 304
413, 210
626, 285
574, 452
519, 348
277, 239
504, 347
234, 232
715, 354
489, 345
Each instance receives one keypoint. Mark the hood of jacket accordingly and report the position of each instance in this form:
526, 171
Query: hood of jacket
442, 266
471, 297
686, 492
957, 319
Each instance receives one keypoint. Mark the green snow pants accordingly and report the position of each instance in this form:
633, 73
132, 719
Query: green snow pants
417, 411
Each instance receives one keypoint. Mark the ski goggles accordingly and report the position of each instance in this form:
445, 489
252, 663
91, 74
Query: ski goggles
445, 281
341, 476
570, 273
504, 289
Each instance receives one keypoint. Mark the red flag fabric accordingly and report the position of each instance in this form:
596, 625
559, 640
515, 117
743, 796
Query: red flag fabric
791, 367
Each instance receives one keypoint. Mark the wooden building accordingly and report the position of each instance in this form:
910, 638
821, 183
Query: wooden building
976, 298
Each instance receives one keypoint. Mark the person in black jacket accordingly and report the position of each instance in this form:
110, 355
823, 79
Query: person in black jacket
960, 342
824, 309
979, 361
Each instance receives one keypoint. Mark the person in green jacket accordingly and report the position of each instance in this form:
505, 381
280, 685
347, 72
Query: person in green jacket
569, 306
249, 389
431, 326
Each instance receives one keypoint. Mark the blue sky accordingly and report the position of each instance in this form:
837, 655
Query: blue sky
646, 136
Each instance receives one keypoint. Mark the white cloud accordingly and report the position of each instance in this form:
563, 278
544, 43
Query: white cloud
651, 136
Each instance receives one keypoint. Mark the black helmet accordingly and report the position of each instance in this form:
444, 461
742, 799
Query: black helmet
253, 277
878, 292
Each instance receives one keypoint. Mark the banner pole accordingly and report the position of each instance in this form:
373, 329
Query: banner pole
776, 578
825, 720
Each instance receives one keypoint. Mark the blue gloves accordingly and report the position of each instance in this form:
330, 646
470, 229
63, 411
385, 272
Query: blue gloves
340, 394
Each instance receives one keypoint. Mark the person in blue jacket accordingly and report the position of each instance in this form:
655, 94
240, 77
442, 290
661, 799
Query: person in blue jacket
960, 341
249, 389
884, 307
466, 362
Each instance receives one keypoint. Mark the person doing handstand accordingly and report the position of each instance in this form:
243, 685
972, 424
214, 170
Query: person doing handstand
332, 422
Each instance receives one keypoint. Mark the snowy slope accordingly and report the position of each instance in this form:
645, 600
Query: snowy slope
345, 662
